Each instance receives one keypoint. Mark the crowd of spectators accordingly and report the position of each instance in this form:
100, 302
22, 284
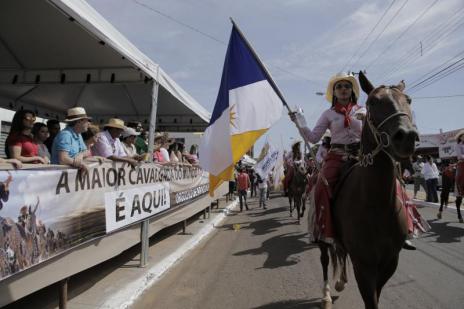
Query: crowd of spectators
80, 141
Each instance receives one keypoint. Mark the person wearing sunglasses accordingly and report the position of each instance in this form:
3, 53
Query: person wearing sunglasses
20, 144
344, 120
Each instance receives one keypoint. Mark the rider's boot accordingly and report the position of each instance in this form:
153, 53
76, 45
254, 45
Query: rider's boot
408, 245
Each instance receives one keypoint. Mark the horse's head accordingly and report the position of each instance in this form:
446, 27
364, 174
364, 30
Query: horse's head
389, 118
300, 167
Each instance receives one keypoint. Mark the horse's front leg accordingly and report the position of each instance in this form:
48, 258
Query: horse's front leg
326, 298
341, 282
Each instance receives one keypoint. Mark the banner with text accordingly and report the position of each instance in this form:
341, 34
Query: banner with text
46, 212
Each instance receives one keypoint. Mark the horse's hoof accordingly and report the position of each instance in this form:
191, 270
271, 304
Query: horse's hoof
340, 285
326, 304
439, 215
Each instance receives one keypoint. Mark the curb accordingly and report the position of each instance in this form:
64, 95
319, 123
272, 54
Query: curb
127, 295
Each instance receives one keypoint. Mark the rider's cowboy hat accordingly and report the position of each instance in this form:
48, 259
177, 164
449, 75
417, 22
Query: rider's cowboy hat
460, 133
339, 77
115, 123
76, 113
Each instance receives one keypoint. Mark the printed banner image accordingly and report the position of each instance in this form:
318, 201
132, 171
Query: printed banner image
46, 212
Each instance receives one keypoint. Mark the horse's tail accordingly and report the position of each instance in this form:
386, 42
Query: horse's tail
338, 256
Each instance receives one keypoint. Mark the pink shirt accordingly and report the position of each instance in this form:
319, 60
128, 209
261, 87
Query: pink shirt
334, 121
243, 181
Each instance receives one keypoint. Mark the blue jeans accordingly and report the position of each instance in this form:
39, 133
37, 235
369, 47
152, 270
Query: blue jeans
242, 195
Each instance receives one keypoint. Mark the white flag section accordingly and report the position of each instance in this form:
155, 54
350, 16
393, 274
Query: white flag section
124, 207
264, 167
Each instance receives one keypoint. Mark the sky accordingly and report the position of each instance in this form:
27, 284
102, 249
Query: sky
303, 43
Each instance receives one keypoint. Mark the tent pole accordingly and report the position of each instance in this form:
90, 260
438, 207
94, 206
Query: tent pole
144, 239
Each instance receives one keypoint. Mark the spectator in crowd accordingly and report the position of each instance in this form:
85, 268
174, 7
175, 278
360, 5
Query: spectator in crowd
68, 146
262, 185
182, 154
173, 153
90, 137
417, 176
129, 137
109, 146
54, 128
431, 174
14, 162
158, 145
19, 144
243, 183
140, 142
192, 156
448, 175
40, 134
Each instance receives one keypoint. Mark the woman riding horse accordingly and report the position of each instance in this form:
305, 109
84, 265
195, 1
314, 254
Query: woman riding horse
344, 120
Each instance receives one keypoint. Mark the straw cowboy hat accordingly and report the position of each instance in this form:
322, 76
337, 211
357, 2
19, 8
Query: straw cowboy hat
335, 79
76, 113
460, 133
115, 123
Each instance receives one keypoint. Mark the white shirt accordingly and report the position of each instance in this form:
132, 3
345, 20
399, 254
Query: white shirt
165, 154
335, 122
430, 171
459, 149
107, 146
321, 153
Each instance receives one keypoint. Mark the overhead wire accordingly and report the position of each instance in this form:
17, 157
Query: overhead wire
381, 33
175, 20
368, 35
441, 76
431, 39
402, 33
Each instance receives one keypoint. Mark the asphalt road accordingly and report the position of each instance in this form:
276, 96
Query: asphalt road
262, 259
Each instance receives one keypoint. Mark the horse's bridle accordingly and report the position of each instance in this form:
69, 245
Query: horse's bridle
368, 159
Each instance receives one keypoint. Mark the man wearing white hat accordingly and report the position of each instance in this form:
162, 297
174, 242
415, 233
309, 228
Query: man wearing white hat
109, 146
68, 146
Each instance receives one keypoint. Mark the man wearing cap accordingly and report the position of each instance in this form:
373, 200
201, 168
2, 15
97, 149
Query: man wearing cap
128, 138
109, 146
68, 146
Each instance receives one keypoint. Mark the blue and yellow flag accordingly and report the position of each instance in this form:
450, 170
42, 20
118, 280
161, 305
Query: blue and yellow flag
246, 107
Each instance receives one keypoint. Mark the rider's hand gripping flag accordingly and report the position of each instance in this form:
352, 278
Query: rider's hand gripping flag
247, 105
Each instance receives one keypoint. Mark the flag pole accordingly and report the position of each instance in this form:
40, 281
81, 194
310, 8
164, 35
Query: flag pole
270, 80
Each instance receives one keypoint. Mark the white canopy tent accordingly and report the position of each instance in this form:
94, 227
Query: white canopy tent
58, 54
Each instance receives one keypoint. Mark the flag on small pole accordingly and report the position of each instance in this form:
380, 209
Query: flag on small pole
247, 105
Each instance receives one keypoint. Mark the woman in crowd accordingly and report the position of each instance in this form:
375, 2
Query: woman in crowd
90, 137
128, 137
40, 134
173, 153
19, 144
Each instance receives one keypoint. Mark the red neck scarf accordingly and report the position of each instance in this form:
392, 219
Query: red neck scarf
345, 110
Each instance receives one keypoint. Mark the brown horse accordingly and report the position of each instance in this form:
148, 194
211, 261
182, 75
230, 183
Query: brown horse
297, 188
371, 226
